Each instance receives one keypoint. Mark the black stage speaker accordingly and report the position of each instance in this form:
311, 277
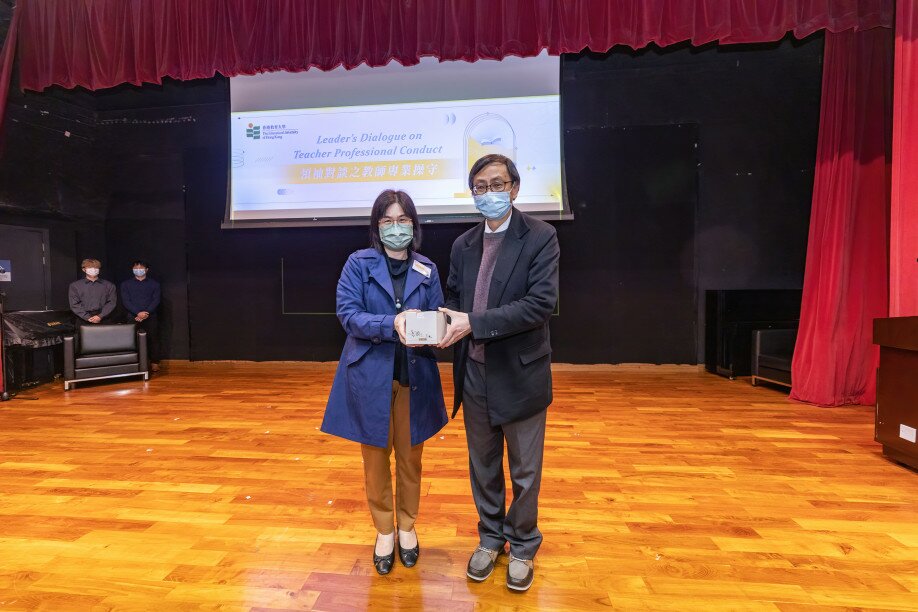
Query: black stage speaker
732, 315
28, 367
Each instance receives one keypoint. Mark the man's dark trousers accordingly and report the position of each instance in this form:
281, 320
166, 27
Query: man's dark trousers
151, 326
525, 445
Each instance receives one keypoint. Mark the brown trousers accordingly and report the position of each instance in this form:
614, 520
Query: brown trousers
377, 470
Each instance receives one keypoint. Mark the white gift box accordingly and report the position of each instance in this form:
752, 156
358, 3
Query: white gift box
425, 327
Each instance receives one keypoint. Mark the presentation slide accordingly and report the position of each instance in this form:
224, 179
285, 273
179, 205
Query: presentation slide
325, 164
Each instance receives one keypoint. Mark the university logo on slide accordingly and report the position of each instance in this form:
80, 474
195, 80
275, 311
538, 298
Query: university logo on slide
253, 131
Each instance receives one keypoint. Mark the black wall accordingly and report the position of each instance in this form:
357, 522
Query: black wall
146, 212
756, 108
49, 178
628, 285
688, 169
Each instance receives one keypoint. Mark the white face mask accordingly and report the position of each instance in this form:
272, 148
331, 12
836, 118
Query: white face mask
138, 272
92, 271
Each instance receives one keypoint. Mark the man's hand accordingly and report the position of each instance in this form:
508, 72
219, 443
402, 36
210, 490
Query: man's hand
138, 318
144, 315
400, 326
458, 328
95, 319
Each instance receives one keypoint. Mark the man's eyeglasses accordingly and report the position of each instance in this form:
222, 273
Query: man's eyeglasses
496, 185
389, 221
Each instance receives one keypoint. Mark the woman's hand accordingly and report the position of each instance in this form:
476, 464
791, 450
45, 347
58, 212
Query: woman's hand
400, 326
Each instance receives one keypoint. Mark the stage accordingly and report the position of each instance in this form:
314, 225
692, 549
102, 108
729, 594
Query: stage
664, 488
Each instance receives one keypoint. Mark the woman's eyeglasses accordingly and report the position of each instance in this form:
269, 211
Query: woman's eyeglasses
389, 221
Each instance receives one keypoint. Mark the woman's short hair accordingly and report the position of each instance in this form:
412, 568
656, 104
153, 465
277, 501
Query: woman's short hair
494, 158
91, 263
383, 201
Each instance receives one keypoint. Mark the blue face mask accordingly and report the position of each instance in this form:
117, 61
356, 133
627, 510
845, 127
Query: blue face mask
397, 236
139, 273
494, 204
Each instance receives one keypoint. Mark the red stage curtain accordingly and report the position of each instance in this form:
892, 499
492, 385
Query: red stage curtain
102, 43
845, 284
903, 240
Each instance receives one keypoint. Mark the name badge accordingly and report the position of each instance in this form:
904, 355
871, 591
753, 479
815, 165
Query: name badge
421, 268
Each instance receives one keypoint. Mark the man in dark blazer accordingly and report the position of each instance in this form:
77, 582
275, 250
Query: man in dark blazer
502, 289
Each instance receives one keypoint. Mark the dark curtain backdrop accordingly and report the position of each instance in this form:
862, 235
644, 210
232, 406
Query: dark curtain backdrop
903, 247
846, 281
7, 53
103, 43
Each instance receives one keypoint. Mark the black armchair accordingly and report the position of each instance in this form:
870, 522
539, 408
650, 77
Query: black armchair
772, 353
97, 352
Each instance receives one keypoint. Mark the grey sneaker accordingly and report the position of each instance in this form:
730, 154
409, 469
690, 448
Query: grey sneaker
481, 564
519, 573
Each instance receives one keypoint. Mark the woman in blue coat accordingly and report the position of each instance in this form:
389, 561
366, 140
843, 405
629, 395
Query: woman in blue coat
387, 395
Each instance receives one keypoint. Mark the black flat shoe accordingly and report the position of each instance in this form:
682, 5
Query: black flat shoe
409, 557
383, 564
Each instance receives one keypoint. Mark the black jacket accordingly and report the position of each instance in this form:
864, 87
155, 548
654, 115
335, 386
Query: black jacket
521, 298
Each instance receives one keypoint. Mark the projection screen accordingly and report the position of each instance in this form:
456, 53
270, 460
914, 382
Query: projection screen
316, 148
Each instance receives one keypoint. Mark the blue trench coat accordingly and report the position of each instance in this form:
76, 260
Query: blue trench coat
359, 405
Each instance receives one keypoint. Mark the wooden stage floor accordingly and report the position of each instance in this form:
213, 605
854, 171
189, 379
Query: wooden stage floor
665, 488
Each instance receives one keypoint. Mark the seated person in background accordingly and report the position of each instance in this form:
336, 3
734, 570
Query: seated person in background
92, 299
140, 296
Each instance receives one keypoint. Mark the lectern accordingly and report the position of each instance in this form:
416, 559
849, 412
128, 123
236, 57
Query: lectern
897, 388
